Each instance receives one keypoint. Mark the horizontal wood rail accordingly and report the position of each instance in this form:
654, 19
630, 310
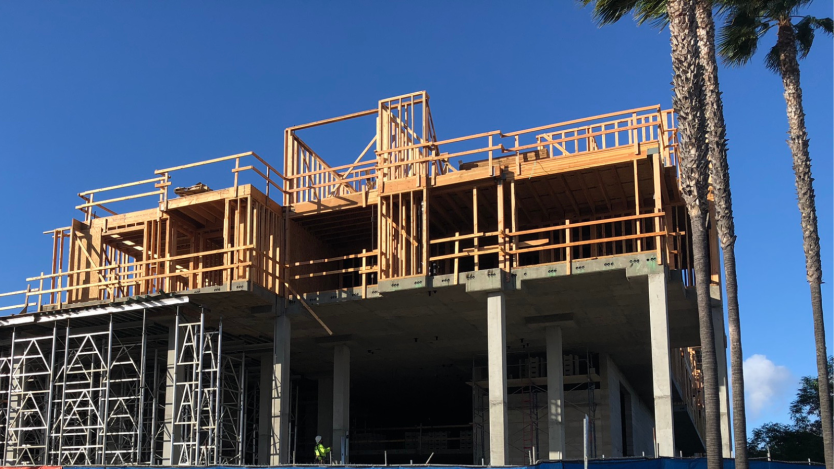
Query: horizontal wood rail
340, 258
273, 177
140, 263
468, 252
586, 223
584, 119
338, 271
587, 242
122, 186
462, 237
123, 279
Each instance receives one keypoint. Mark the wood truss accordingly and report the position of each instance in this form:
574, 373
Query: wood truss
408, 205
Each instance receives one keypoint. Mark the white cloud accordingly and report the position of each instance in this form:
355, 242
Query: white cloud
765, 384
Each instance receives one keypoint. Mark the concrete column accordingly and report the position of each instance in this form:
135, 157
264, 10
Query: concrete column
324, 427
723, 389
265, 410
661, 370
341, 402
497, 364
173, 373
555, 393
273, 445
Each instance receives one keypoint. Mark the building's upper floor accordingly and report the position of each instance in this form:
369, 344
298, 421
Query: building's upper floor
409, 205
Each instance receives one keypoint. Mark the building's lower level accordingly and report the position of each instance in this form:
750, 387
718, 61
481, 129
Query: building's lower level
478, 368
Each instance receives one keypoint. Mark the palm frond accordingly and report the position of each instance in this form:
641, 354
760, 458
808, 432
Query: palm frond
610, 11
826, 24
738, 39
804, 32
772, 61
653, 12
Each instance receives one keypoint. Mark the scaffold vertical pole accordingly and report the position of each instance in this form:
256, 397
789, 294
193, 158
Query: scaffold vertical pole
200, 350
242, 421
141, 409
51, 377
107, 370
217, 398
9, 401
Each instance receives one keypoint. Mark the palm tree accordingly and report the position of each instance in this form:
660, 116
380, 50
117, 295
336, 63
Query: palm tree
725, 223
687, 80
747, 22
610, 11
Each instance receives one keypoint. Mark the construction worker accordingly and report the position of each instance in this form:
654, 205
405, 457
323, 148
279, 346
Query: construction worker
321, 451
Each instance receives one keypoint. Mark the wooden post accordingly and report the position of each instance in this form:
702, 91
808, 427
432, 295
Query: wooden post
411, 264
457, 249
425, 230
514, 222
475, 219
658, 207
568, 249
491, 169
364, 278
502, 244
638, 241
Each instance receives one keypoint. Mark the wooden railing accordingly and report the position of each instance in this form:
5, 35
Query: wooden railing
401, 153
367, 260
263, 169
687, 375
127, 279
558, 243
311, 179
272, 177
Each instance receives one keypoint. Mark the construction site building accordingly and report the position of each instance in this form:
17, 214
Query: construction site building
474, 300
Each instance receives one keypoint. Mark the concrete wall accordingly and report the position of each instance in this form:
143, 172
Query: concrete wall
607, 422
639, 417
523, 409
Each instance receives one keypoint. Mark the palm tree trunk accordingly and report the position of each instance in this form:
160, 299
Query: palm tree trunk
798, 143
688, 102
720, 174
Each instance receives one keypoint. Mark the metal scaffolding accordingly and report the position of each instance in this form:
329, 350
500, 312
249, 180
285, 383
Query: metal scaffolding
93, 392
30, 394
209, 416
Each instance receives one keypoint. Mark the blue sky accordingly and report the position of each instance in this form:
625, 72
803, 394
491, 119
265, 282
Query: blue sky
101, 93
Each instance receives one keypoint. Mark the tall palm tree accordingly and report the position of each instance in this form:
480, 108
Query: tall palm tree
724, 220
747, 22
687, 80
610, 11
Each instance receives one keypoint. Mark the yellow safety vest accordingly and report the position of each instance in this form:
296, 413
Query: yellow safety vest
321, 451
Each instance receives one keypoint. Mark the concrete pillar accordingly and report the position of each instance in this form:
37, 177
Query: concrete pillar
497, 371
265, 410
324, 427
723, 389
173, 373
661, 370
273, 444
555, 393
341, 402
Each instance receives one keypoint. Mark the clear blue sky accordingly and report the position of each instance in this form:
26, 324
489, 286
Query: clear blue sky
101, 93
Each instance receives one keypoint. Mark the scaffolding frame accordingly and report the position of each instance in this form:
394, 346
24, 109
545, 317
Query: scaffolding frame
209, 413
30, 389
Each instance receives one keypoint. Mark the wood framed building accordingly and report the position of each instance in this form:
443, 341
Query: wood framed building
497, 286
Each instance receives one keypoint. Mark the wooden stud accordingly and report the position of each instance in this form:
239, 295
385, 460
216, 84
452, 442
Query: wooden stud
475, 224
